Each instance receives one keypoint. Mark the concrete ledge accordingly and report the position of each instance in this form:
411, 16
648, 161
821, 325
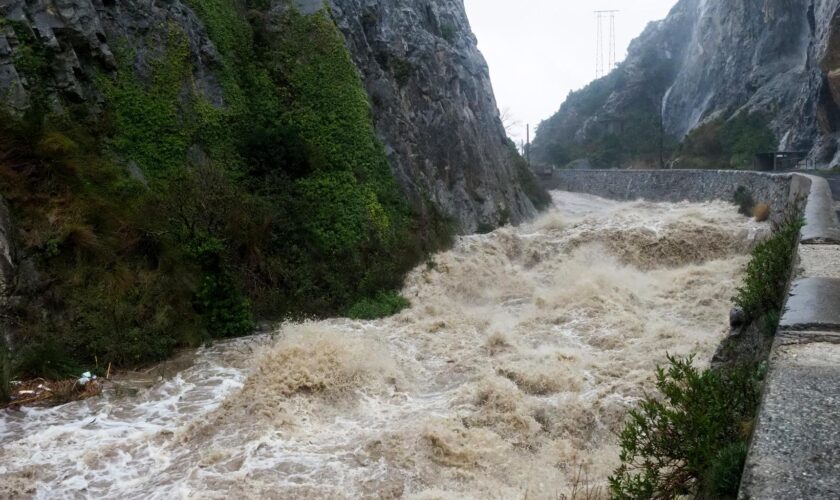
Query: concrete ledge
794, 452
821, 225
819, 261
813, 305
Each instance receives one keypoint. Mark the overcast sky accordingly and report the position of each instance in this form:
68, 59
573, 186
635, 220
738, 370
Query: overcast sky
540, 50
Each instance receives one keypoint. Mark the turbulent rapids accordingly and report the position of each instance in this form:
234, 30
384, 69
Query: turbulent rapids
508, 376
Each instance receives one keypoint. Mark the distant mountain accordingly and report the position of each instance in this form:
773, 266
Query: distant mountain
728, 78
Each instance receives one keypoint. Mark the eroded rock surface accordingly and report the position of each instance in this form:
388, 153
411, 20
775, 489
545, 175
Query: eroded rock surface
429, 85
434, 106
716, 59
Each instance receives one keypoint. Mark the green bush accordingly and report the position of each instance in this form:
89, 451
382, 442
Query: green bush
383, 305
744, 200
225, 311
724, 475
148, 120
745, 136
727, 144
533, 190
767, 273
448, 32
691, 438
45, 358
402, 70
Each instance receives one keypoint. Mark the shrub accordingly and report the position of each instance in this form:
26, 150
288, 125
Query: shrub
225, 311
45, 358
530, 184
744, 200
725, 472
448, 32
402, 71
691, 439
761, 212
768, 272
147, 119
383, 305
727, 144
744, 136
281, 198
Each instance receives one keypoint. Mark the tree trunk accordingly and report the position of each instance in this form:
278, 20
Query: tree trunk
5, 370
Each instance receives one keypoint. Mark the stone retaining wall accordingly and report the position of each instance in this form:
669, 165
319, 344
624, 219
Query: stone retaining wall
676, 185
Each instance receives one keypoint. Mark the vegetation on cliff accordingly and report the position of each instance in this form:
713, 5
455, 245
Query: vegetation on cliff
726, 143
612, 130
168, 219
632, 137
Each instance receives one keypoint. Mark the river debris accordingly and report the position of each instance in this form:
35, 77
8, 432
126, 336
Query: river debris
42, 392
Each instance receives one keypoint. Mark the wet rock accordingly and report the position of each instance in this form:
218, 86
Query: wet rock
737, 319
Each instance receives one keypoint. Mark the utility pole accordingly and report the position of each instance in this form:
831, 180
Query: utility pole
528, 144
662, 133
603, 67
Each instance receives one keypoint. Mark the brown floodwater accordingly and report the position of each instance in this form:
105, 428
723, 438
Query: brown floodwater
507, 378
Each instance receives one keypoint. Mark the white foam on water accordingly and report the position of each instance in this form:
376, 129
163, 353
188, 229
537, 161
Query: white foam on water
513, 369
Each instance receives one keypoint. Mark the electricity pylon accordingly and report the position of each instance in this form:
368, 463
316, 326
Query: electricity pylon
603, 67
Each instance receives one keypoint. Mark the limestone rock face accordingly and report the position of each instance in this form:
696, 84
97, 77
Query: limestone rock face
429, 86
79, 36
716, 59
434, 107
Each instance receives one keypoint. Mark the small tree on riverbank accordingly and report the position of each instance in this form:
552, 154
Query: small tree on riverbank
692, 438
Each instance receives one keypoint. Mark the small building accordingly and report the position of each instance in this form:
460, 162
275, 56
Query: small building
781, 160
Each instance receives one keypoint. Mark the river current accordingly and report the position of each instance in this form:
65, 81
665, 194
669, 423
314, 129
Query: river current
508, 377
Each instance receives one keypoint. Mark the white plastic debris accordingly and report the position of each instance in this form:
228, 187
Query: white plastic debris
85, 378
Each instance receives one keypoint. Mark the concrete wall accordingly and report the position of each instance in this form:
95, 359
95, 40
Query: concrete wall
795, 449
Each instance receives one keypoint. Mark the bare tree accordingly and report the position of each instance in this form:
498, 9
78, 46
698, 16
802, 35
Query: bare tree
509, 121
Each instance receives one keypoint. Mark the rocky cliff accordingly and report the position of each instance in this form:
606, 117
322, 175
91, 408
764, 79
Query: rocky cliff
707, 63
434, 106
176, 169
428, 85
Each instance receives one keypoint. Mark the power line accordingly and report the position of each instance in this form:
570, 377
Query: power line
604, 59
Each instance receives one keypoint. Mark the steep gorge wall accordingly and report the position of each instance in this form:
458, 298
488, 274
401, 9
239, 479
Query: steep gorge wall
237, 158
434, 107
428, 85
713, 60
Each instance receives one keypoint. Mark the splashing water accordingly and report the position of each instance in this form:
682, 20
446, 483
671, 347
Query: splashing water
515, 366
